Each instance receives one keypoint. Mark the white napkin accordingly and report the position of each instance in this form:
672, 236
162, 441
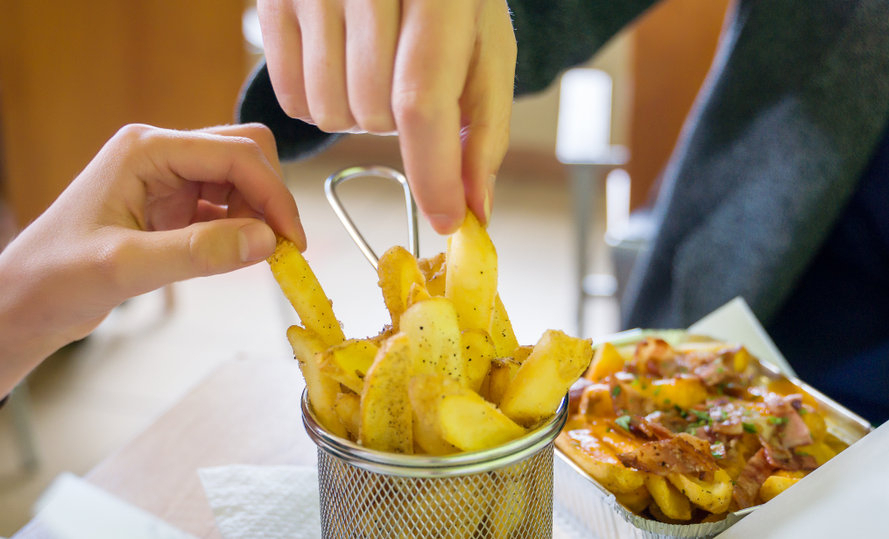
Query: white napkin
264, 501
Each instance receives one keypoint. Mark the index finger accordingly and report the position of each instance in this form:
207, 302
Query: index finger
431, 66
204, 156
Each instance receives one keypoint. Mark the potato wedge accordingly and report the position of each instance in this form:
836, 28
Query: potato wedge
774, 485
301, 287
672, 503
348, 362
505, 341
508, 507
385, 410
635, 500
348, 409
398, 271
431, 327
714, 496
428, 436
478, 351
500, 376
435, 271
556, 362
606, 360
464, 419
322, 389
471, 282
599, 460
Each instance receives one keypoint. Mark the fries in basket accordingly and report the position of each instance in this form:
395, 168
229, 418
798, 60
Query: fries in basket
447, 375
686, 432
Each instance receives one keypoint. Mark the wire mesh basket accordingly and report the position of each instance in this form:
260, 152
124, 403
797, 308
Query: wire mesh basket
504, 492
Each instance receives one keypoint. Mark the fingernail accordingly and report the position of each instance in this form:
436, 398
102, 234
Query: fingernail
443, 223
489, 194
256, 241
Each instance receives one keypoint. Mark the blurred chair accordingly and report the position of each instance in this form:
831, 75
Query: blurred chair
583, 145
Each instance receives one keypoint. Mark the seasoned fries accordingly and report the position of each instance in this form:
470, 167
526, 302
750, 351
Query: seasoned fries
699, 425
448, 374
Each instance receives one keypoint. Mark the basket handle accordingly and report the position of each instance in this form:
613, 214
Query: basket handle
350, 173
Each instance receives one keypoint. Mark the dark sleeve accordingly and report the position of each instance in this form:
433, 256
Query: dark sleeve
555, 35
295, 139
551, 36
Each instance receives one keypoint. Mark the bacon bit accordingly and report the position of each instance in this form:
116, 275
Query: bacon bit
575, 392
682, 453
651, 353
785, 459
792, 431
755, 472
644, 428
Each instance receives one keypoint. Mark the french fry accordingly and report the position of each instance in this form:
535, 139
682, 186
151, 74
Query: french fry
464, 419
544, 378
322, 389
347, 408
508, 506
774, 485
500, 376
431, 327
478, 351
301, 287
398, 271
434, 270
599, 460
671, 502
471, 281
606, 360
714, 496
385, 411
635, 500
348, 362
502, 334
426, 427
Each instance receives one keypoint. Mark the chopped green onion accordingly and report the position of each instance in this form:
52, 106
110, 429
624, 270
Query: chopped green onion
623, 421
749, 427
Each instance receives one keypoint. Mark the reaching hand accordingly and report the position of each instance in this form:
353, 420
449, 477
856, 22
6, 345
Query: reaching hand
153, 207
440, 73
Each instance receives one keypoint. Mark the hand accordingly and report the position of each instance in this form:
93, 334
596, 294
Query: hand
153, 207
440, 73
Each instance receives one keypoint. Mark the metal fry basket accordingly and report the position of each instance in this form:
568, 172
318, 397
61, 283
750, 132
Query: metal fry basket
504, 492
500, 493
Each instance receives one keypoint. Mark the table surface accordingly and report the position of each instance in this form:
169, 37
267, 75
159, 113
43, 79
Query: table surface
245, 412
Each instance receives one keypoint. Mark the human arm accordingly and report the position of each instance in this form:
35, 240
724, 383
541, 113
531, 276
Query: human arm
153, 207
551, 37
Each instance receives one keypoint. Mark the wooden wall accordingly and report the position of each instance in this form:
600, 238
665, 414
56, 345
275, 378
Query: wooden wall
673, 47
72, 73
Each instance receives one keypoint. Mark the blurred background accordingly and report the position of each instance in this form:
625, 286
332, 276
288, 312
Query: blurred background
72, 73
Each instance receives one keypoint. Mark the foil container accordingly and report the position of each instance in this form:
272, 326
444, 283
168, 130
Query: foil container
592, 506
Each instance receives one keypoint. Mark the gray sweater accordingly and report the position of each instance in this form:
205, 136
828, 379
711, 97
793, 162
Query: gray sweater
790, 119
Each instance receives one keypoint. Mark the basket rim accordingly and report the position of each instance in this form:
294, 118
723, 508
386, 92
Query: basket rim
463, 463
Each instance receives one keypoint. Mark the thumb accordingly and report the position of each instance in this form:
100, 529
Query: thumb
198, 250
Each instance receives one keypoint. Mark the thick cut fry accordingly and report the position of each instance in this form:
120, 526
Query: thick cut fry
431, 327
607, 360
635, 500
522, 353
500, 376
599, 460
435, 271
774, 485
502, 334
427, 429
478, 351
557, 361
322, 389
348, 362
416, 294
386, 423
464, 419
302, 288
348, 410
714, 496
471, 274
672, 503
398, 272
